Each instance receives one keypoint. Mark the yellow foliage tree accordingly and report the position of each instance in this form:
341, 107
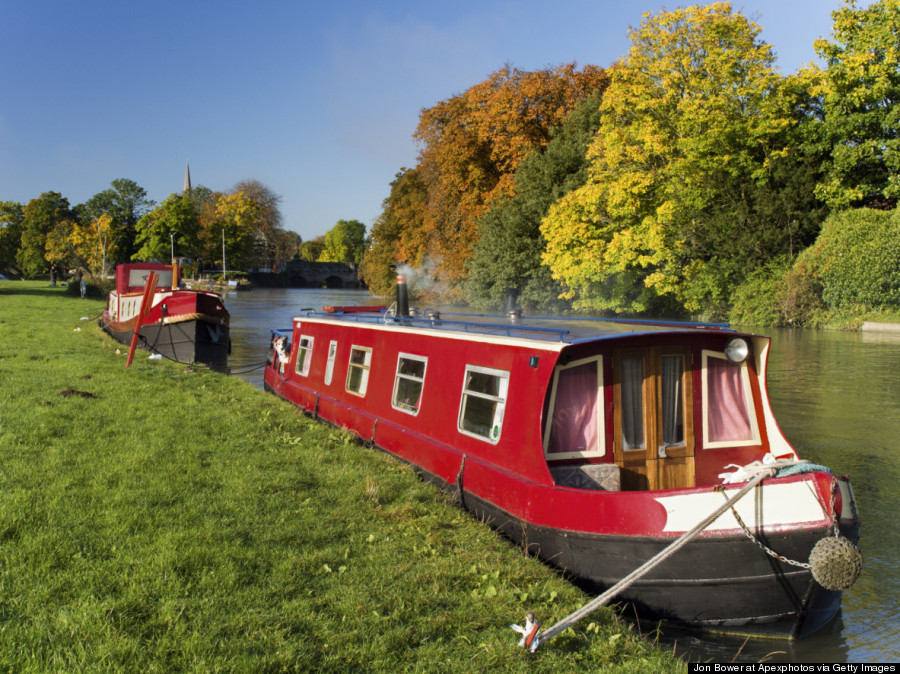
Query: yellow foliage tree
696, 100
237, 216
97, 242
89, 246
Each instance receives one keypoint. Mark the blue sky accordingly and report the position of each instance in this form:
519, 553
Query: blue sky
318, 101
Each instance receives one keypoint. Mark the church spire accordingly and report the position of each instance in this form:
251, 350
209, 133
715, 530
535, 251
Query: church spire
187, 178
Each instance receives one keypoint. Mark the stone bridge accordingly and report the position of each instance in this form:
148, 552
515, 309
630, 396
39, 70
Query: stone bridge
303, 274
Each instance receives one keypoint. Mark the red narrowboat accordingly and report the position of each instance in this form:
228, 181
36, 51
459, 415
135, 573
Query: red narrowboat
188, 326
595, 443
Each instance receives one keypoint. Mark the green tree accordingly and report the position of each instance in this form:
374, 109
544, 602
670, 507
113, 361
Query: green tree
125, 202
174, 220
861, 92
41, 216
312, 250
285, 246
696, 108
508, 251
345, 242
11, 216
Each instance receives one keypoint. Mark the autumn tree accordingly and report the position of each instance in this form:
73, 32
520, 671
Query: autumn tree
861, 92
41, 216
694, 117
509, 247
473, 142
398, 235
234, 220
60, 247
11, 216
268, 235
97, 242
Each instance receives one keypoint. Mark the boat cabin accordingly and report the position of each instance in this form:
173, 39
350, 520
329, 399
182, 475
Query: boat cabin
131, 278
587, 404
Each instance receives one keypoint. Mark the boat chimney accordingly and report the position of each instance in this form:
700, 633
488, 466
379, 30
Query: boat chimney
513, 313
402, 297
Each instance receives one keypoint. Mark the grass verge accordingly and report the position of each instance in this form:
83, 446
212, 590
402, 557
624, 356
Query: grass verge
168, 520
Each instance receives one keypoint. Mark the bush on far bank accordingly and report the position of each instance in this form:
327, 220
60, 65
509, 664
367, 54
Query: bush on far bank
851, 273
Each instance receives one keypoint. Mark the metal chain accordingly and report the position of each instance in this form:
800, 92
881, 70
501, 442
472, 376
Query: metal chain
769, 551
834, 514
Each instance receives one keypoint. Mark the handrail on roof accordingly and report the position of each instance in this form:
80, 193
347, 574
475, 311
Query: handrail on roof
603, 319
468, 326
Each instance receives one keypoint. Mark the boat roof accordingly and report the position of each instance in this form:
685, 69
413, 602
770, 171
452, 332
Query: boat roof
548, 329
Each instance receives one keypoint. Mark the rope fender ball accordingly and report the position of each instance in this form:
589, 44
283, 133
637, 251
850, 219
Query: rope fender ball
835, 562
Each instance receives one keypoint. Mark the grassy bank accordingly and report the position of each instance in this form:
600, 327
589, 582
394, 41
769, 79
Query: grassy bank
165, 520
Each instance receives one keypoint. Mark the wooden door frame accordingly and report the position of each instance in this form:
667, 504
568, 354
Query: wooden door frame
650, 468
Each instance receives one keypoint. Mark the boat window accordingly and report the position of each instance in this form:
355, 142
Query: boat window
576, 421
632, 387
728, 412
329, 368
408, 383
138, 277
304, 355
358, 370
483, 402
671, 379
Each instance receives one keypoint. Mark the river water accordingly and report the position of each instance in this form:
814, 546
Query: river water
836, 396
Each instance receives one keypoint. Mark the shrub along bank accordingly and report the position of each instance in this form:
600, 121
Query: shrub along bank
165, 520
849, 275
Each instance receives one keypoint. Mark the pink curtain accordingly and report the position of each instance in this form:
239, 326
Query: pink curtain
574, 421
728, 416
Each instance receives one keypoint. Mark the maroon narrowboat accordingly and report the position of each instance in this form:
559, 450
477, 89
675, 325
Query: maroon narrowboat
188, 326
595, 443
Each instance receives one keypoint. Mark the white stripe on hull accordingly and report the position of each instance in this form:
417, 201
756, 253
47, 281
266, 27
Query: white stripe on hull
771, 506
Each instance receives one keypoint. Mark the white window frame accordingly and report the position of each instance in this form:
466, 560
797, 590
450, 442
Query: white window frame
499, 411
748, 394
365, 367
398, 376
601, 416
307, 358
329, 367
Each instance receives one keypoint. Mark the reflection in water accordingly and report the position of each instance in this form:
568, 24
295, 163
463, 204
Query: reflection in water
837, 398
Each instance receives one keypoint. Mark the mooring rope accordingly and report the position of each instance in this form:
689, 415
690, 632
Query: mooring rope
531, 639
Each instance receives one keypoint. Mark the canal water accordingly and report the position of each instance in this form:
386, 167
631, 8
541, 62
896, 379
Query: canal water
836, 396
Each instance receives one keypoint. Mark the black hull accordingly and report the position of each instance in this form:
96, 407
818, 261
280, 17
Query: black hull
723, 584
194, 341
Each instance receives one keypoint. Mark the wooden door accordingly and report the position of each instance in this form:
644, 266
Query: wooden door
653, 417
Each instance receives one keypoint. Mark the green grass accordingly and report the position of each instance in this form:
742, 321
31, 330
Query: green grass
166, 520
